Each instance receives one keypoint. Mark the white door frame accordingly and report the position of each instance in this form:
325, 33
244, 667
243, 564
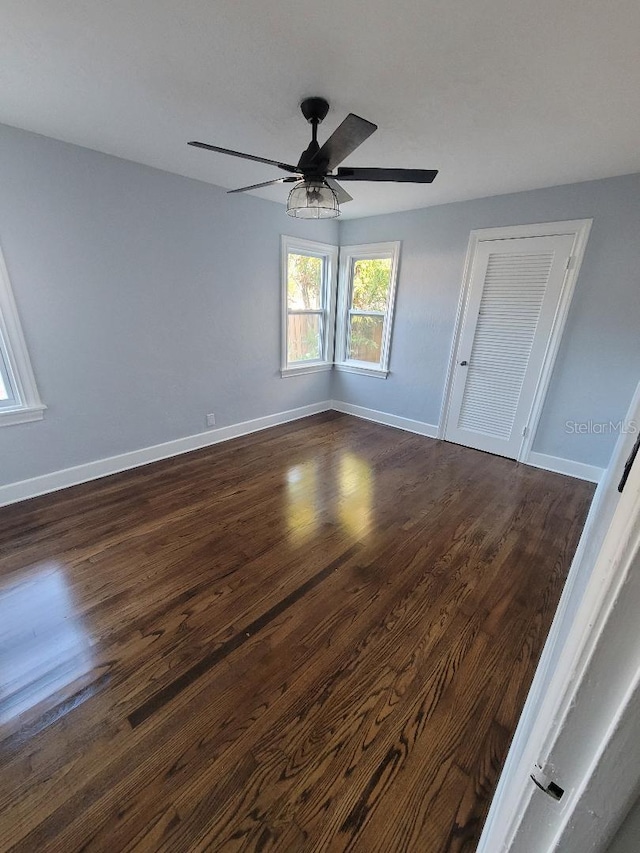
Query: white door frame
579, 229
571, 671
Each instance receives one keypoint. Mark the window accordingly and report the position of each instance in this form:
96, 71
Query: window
308, 285
19, 399
368, 276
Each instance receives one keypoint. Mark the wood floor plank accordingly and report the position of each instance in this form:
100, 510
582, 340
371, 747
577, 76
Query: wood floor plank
322, 687
316, 638
463, 834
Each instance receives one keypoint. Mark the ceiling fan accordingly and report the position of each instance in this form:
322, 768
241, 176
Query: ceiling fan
317, 193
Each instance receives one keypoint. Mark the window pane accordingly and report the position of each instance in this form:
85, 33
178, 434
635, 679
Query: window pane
304, 337
365, 338
371, 279
304, 282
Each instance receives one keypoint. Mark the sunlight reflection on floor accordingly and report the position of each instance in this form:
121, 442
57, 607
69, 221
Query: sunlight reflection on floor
307, 506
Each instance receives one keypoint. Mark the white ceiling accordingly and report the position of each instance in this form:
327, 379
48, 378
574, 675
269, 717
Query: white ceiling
500, 95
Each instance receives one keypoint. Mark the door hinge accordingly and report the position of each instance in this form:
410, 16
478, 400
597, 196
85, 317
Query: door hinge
525, 430
545, 784
569, 262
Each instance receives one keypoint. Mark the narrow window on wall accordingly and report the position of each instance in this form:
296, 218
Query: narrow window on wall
308, 284
367, 287
19, 399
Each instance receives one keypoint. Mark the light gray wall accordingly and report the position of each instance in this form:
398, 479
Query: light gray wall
598, 365
147, 300
627, 839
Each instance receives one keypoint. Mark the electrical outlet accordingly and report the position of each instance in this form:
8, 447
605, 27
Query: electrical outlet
211, 419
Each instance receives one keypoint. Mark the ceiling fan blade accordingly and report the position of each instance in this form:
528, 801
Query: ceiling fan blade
341, 194
345, 138
411, 176
286, 166
266, 184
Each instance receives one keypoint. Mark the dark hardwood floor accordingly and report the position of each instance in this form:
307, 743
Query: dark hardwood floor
315, 638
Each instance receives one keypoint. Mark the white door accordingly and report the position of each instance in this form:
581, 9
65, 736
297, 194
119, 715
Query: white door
581, 720
515, 288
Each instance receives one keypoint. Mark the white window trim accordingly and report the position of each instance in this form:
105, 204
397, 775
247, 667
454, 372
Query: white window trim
349, 254
330, 254
27, 405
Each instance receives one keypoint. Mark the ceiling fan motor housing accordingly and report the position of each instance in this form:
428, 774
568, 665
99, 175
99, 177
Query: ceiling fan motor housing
314, 109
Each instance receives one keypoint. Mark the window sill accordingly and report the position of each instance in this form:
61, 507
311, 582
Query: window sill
377, 372
307, 368
21, 416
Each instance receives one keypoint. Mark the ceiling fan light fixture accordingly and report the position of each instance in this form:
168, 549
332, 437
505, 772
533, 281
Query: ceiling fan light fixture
313, 200
316, 193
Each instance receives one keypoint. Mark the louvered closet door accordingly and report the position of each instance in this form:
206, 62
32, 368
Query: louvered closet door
513, 296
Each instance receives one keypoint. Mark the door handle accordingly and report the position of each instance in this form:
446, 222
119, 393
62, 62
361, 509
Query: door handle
464, 363
628, 465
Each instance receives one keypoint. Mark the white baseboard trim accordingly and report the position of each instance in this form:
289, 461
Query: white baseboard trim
419, 427
580, 470
53, 482
56, 480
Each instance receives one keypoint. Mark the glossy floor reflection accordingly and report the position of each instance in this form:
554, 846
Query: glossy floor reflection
355, 489
318, 637
340, 491
304, 501
43, 646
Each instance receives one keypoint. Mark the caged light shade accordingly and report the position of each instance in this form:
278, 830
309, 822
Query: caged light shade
313, 200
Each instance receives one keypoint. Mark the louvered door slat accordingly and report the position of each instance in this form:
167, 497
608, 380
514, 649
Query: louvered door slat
509, 294
503, 339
